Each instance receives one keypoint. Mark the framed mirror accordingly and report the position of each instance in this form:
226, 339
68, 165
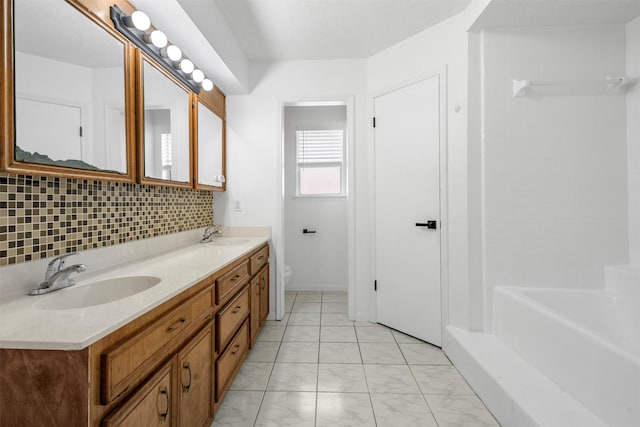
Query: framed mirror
67, 92
164, 128
209, 148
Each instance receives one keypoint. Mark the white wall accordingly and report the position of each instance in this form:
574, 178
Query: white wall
254, 151
633, 139
319, 261
445, 44
554, 166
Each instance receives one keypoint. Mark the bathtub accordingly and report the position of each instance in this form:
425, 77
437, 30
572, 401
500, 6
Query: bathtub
586, 341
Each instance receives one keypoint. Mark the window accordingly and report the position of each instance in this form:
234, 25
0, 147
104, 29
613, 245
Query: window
320, 167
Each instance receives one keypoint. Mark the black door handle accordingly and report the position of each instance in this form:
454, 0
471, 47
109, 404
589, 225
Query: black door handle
429, 224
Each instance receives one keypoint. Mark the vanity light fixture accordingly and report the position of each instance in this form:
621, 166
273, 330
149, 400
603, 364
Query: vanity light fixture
197, 76
156, 38
186, 66
172, 52
207, 85
138, 20
154, 43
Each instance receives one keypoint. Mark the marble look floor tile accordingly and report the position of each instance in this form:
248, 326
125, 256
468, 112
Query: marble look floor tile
294, 377
298, 352
381, 353
288, 306
252, 376
292, 293
331, 352
287, 409
309, 297
402, 410
302, 333
304, 319
264, 351
460, 411
371, 334
423, 354
282, 322
366, 324
338, 334
334, 307
271, 333
404, 338
342, 378
238, 409
390, 379
339, 297
306, 307
440, 380
335, 319
344, 409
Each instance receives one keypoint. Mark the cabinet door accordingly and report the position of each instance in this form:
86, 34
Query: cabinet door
195, 381
150, 406
264, 294
254, 316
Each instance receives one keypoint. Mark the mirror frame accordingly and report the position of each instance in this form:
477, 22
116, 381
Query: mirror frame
141, 57
216, 102
98, 12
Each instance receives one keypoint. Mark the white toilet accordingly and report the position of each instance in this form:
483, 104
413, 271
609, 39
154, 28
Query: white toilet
287, 276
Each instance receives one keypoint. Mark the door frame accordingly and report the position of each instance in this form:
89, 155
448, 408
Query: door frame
348, 101
440, 72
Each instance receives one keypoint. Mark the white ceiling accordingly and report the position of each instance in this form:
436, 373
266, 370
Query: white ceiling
530, 13
329, 29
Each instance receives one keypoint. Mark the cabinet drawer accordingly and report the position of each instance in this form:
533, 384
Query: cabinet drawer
230, 318
259, 259
229, 362
149, 406
126, 363
227, 284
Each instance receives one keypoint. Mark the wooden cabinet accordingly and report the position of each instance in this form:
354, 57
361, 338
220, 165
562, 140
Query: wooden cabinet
264, 294
150, 406
229, 362
169, 367
254, 317
195, 373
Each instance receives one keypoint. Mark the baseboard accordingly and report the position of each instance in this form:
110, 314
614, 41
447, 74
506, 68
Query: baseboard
317, 288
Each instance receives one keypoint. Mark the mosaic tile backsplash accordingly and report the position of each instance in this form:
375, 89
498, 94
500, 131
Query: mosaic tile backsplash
42, 217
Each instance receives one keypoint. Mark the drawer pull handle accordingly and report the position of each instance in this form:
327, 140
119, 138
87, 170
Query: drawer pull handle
237, 347
236, 277
261, 257
237, 309
187, 368
176, 325
163, 404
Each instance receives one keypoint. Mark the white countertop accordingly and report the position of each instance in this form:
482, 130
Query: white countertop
24, 325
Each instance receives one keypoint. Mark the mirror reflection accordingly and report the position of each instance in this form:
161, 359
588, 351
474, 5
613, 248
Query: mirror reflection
209, 147
69, 89
166, 127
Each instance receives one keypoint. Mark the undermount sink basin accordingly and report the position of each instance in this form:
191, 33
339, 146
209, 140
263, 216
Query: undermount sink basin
227, 241
97, 293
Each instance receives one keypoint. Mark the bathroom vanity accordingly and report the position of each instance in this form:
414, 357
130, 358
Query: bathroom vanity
165, 356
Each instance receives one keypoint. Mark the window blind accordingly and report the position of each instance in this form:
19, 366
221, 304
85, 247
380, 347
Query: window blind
320, 146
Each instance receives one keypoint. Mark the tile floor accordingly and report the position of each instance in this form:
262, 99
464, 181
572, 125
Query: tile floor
317, 368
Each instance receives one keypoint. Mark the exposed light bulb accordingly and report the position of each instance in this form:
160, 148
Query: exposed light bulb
157, 38
186, 66
207, 85
172, 52
138, 20
197, 76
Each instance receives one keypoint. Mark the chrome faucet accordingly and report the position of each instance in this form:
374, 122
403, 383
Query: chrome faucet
57, 276
210, 233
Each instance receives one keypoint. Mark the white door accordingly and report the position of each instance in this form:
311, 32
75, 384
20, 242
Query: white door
407, 196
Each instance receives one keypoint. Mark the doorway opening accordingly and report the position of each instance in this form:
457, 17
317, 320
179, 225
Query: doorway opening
317, 209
